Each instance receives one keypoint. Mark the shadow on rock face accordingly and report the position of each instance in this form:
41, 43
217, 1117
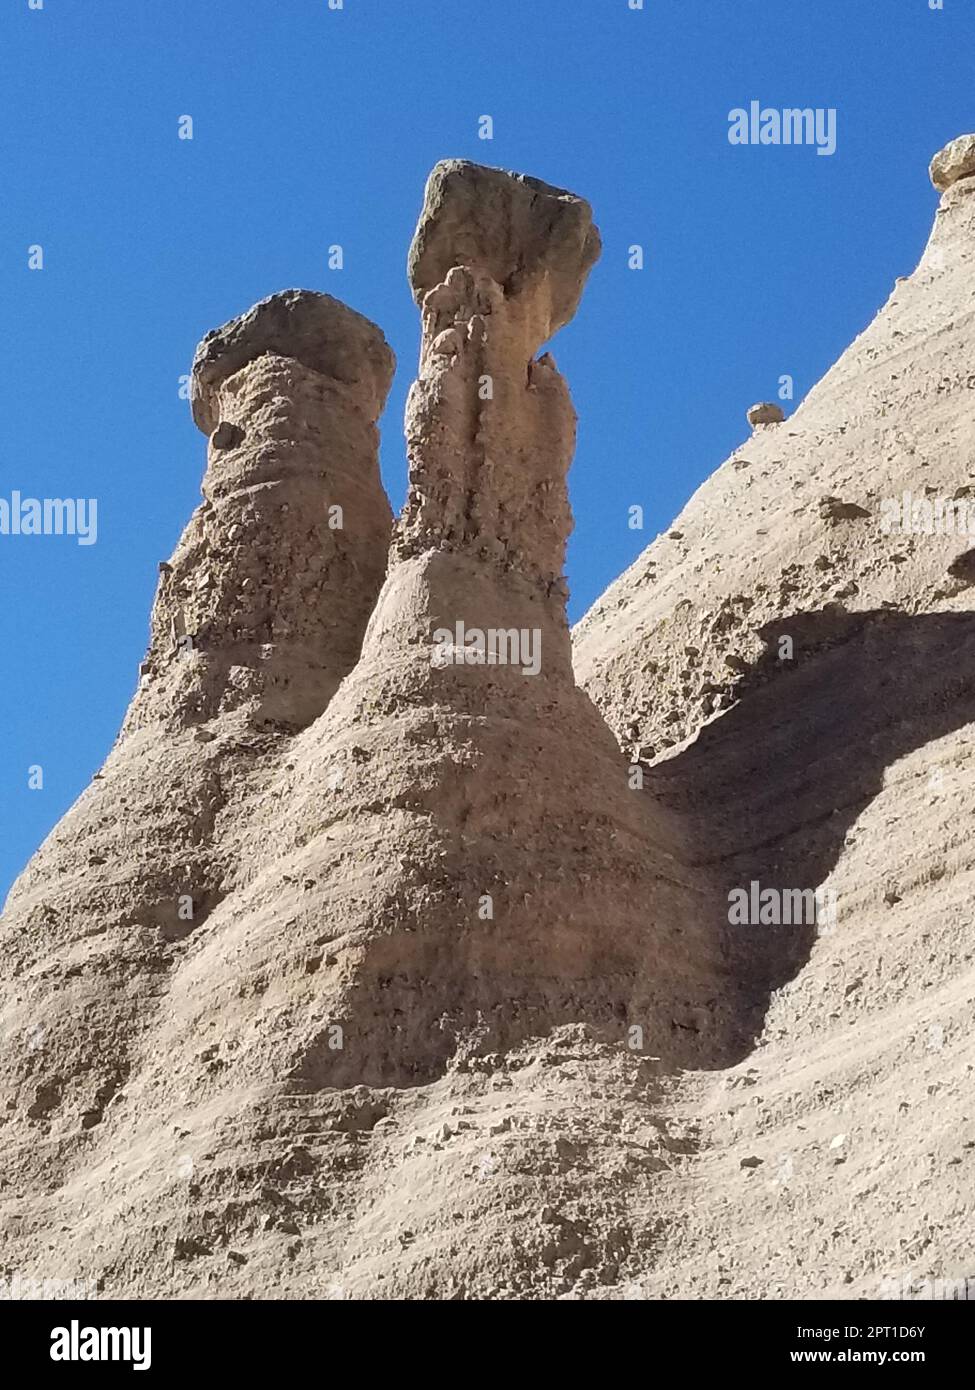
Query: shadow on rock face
769, 791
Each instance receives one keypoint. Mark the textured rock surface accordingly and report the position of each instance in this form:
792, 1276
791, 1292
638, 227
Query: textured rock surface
432, 896
841, 758
536, 242
265, 600
765, 413
465, 1016
259, 614
320, 332
956, 161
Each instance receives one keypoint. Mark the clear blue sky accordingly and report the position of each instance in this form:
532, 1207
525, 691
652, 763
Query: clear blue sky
314, 126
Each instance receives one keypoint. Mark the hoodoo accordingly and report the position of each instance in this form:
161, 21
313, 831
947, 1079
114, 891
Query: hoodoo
459, 1009
259, 614
430, 897
264, 603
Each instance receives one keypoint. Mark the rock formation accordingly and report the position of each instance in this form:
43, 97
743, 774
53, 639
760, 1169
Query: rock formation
259, 614
267, 596
496, 911
765, 413
461, 1010
956, 161
797, 674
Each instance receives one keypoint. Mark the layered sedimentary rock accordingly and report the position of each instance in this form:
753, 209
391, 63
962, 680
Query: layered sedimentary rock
795, 665
433, 893
521, 891
259, 613
263, 605
465, 1013
436, 886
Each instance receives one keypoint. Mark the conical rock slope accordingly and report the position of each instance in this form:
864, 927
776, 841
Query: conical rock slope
259, 614
795, 664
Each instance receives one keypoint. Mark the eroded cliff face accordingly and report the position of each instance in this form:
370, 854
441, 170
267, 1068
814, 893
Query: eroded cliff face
459, 1011
794, 666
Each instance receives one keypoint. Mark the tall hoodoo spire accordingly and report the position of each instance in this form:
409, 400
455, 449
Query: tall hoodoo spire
498, 264
450, 778
264, 603
259, 614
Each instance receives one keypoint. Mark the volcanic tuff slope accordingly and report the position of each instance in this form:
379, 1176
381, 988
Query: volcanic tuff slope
355, 974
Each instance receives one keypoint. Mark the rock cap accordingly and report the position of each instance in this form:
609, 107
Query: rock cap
956, 161
522, 232
318, 331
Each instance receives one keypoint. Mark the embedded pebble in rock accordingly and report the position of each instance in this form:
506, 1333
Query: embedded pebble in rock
765, 413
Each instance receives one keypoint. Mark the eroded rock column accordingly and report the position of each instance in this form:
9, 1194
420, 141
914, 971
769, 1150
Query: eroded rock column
265, 600
259, 614
475, 868
498, 264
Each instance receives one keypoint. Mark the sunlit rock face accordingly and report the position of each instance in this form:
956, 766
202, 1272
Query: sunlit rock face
794, 666
259, 614
384, 960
